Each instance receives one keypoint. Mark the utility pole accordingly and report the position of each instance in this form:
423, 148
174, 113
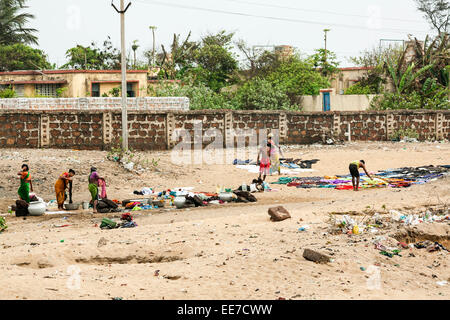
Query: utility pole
326, 30
124, 73
153, 28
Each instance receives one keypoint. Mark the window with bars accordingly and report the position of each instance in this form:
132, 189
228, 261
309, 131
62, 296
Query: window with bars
130, 92
20, 90
47, 90
95, 90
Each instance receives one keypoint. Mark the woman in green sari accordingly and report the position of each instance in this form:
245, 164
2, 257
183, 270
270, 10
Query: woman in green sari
93, 187
25, 183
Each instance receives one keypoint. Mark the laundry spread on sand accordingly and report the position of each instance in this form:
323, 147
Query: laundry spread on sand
394, 178
288, 166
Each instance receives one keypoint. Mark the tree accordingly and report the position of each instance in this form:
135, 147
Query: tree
325, 61
93, 57
261, 94
173, 64
298, 77
403, 81
12, 23
436, 12
21, 57
258, 62
374, 61
437, 53
215, 56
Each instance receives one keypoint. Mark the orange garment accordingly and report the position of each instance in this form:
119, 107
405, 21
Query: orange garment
24, 176
60, 188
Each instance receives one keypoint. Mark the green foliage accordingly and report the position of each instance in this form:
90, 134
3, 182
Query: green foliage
298, 77
402, 133
258, 62
434, 52
115, 92
7, 93
61, 92
209, 61
215, 57
404, 81
200, 96
94, 58
414, 100
21, 57
359, 88
119, 155
3, 225
262, 94
13, 23
325, 61
374, 61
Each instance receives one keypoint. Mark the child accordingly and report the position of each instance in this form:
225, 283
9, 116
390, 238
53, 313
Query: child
354, 171
275, 152
264, 164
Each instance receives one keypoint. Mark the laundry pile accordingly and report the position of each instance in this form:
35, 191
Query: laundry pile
288, 166
394, 178
297, 163
185, 198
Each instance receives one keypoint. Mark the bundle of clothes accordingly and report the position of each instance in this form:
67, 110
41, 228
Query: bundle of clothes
126, 222
107, 206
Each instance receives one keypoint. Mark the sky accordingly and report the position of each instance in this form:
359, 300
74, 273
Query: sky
355, 24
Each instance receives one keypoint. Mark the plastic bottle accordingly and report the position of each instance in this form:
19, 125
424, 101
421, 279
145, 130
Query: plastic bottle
244, 186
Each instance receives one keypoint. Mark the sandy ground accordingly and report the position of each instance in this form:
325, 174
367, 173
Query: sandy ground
229, 251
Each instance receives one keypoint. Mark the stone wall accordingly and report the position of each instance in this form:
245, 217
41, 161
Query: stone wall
69, 104
155, 130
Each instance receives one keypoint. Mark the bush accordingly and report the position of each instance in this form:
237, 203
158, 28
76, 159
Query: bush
261, 94
298, 78
200, 96
415, 100
402, 133
358, 88
7, 93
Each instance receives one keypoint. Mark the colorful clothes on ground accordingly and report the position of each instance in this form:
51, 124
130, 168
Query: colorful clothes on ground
24, 189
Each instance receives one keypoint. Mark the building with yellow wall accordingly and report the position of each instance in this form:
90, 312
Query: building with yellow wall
73, 83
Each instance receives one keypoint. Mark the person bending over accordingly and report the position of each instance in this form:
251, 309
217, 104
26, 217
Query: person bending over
354, 171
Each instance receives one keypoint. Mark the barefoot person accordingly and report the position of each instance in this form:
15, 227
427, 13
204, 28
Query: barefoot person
264, 164
354, 171
25, 183
93, 187
61, 186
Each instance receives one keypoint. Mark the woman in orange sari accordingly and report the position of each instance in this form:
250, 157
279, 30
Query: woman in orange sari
61, 185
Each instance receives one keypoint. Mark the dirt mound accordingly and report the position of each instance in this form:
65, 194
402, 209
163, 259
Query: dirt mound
437, 232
